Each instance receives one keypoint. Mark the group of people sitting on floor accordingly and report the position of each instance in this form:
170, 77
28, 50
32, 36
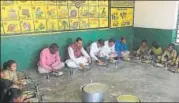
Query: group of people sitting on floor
99, 52
157, 57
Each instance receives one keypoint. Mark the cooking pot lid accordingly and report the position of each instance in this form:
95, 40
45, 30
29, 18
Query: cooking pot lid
95, 87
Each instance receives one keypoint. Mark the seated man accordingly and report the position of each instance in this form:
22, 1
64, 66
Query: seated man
50, 60
78, 57
121, 49
108, 50
95, 50
169, 56
142, 52
156, 52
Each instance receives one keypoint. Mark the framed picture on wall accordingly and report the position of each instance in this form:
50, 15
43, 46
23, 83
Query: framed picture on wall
52, 24
84, 23
63, 24
62, 12
11, 26
25, 12
27, 26
40, 25
51, 12
10, 12
103, 22
39, 12
93, 22
74, 24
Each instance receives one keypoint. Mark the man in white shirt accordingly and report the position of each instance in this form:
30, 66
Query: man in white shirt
78, 57
108, 50
95, 49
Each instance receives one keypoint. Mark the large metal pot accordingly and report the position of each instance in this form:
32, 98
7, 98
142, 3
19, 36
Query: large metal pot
91, 96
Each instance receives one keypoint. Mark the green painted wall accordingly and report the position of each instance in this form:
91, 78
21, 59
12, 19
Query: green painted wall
162, 36
25, 49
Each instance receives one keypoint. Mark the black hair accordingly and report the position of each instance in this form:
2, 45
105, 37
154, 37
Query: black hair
8, 64
78, 39
171, 44
5, 65
12, 93
122, 38
101, 41
155, 45
5, 85
144, 41
111, 40
54, 46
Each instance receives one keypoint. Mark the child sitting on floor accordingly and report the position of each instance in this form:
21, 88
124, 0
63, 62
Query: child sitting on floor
169, 56
142, 51
10, 73
155, 52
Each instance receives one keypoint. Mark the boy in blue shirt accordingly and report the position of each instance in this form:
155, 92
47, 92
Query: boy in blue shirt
121, 49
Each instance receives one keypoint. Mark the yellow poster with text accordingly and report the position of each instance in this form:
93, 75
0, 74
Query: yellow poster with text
103, 11
52, 24
73, 11
93, 11
11, 26
39, 12
10, 12
40, 25
93, 22
103, 22
84, 23
74, 24
25, 12
27, 26
63, 24
51, 12
115, 17
62, 11
83, 12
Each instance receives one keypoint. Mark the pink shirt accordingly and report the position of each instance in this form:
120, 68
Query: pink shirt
48, 60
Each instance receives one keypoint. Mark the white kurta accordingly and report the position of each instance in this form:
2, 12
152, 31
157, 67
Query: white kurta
74, 62
106, 50
95, 51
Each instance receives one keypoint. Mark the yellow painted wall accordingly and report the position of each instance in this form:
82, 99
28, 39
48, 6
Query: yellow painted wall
21, 17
